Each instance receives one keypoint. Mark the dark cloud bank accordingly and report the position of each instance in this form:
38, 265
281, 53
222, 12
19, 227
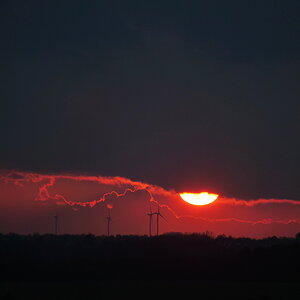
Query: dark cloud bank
184, 95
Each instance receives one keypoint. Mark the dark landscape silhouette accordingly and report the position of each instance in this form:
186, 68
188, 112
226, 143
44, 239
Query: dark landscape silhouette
171, 258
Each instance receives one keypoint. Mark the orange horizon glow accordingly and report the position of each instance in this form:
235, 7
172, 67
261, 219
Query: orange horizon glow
203, 198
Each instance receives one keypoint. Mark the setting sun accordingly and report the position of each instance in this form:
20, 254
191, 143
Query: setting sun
199, 198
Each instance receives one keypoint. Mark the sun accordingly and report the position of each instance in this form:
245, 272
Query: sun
199, 198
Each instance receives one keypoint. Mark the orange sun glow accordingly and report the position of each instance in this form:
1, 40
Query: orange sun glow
199, 198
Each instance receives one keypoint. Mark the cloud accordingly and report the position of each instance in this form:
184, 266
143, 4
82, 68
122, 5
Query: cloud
49, 180
120, 187
251, 222
233, 201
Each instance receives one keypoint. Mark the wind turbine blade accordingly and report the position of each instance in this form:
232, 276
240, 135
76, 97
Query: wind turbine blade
162, 217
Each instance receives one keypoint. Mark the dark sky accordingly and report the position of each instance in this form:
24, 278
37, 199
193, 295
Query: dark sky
183, 94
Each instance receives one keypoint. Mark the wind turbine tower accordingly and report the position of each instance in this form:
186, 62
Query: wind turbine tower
108, 222
158, 214
150, 214
56, 224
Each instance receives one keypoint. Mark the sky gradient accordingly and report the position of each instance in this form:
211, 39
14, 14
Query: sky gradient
83, 203
188, 96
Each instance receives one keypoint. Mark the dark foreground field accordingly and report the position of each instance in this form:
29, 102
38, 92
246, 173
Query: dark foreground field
185, 266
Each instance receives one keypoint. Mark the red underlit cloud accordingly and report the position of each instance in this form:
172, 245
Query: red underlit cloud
26, 200
233, 201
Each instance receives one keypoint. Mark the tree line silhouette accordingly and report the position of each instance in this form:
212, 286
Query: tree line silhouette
169, 256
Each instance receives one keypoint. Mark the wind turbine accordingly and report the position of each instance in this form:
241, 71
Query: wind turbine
56, 223
150, 214
108, 222
158, 214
